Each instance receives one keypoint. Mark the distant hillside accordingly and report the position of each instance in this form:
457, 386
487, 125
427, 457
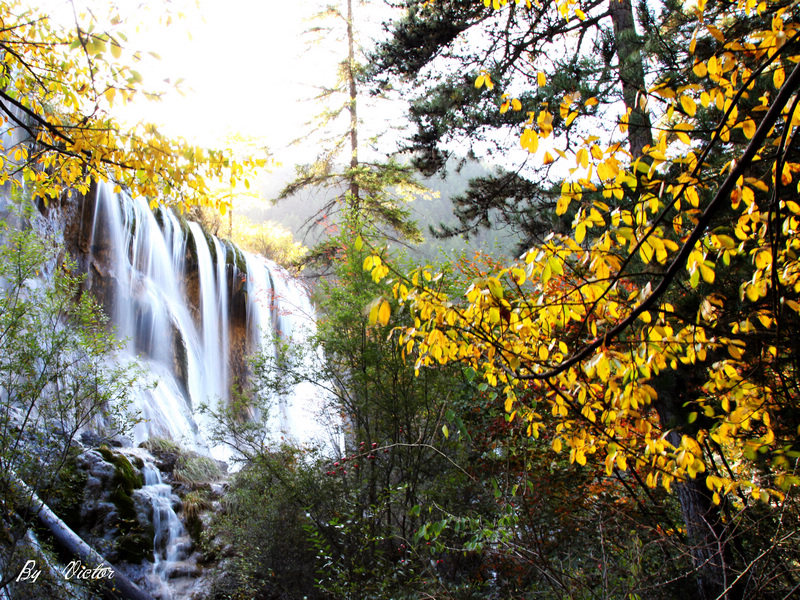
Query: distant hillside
299, 212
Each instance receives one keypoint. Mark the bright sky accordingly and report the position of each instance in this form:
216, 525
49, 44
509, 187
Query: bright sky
246, 65
244, 68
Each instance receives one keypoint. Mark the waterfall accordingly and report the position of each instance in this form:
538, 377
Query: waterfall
170, 541
172, 291
150, 313
190, 308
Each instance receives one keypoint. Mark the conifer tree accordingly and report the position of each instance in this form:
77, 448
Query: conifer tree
375, 191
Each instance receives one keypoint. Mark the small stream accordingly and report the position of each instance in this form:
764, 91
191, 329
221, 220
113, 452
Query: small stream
174, 568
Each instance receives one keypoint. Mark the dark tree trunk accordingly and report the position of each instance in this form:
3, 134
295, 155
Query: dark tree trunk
709, 540
631, 74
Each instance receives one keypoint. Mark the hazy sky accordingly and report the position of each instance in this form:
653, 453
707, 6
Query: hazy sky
246, 65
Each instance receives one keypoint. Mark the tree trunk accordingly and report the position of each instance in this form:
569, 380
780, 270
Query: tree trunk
631, 75
708, 539
352, 90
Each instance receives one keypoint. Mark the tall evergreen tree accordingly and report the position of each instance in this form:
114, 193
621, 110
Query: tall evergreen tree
377, 191
444, 46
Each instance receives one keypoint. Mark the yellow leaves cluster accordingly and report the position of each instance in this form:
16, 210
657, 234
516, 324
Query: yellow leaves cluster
66, 82
484, 80
519, 323
510, 103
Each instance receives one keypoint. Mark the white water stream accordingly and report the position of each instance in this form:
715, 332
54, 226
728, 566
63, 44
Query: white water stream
175, 313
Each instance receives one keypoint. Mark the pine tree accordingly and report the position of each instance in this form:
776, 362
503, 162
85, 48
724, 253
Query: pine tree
375, 191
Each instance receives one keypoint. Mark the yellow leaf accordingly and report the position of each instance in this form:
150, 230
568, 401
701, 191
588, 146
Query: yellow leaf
749, 128
786, 174
778, 77
691, 195
688, 104
580, 232
562, 205
707, 272
384, 312
713, 66
570, 119
582, 158
495, 287
373, 314
622, 464
700, 69
529, 140
646, 252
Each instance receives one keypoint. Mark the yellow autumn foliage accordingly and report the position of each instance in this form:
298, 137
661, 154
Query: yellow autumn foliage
585, 327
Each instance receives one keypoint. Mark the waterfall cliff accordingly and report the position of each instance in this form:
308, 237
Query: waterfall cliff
191, 309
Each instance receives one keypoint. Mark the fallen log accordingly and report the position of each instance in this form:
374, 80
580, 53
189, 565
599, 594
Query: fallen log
90, 564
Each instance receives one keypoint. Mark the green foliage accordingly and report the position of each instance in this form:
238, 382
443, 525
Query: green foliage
259, 535
56, 377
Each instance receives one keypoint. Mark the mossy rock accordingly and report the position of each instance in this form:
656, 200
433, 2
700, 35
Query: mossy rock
212, 247
235, 257
194, 504
165, 452
158, 213
195, 470
125, 476
156, 444
134, 542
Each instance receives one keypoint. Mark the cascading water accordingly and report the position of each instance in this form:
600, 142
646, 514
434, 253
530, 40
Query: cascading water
213, 307
150, 313
171, 541
173, 292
